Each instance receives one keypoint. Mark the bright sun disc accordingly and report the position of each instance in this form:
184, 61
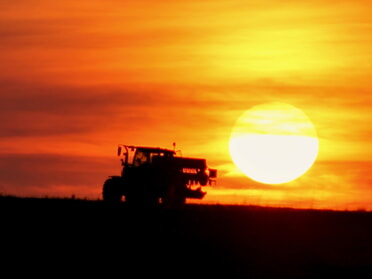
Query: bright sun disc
273, 143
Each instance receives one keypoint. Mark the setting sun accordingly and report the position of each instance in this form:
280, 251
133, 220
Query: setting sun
273, 143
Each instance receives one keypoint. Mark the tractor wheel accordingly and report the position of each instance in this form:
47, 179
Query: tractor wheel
141, 199
175, 196
111, 191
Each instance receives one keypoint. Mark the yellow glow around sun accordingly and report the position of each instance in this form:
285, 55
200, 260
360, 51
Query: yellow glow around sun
273, 143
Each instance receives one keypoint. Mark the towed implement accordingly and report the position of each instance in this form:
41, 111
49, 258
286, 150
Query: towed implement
153, 175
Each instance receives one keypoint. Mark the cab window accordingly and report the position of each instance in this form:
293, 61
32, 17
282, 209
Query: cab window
140, 158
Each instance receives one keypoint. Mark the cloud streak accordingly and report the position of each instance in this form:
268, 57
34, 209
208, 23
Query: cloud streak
54, 175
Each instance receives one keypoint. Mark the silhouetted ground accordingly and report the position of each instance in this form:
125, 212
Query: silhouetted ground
75, 238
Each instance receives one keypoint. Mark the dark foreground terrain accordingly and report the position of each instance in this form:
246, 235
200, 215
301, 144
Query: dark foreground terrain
77, 238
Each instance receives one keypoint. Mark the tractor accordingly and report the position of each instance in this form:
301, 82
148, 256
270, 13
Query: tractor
152, 175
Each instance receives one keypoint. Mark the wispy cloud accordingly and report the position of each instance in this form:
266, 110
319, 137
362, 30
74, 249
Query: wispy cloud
54, 175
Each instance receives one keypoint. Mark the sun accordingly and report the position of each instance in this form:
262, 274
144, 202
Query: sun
273, 143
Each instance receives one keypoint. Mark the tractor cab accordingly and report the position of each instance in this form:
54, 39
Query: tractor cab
145, 155
136, 156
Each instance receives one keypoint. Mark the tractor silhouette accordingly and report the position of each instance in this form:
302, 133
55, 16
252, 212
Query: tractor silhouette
152, 175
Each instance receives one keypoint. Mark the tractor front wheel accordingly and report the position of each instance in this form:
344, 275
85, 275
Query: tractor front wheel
111, 191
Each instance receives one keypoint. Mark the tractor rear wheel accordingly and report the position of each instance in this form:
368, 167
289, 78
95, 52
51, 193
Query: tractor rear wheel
141, 198
175, 195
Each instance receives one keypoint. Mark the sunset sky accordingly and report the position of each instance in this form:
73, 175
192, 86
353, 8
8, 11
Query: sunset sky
79, 77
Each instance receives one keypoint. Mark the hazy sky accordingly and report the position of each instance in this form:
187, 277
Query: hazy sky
79, 77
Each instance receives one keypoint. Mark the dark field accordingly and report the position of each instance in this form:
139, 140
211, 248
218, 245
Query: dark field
77, 238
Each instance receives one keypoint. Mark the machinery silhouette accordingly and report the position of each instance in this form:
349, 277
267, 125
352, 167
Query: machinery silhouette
152, 175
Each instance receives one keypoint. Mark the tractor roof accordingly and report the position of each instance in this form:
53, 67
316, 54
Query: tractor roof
154, 149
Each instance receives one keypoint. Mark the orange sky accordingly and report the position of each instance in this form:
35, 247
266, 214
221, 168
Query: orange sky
77, 78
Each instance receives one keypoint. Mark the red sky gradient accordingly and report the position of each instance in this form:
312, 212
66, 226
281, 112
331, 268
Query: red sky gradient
79, 77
